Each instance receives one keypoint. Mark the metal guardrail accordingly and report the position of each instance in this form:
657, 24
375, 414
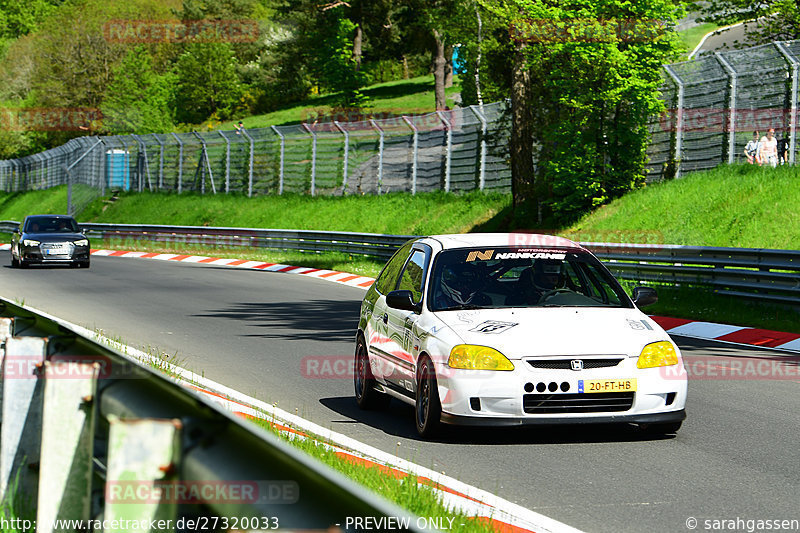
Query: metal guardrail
755, 273
90, 434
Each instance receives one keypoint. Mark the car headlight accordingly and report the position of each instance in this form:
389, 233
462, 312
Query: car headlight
30, 242
81, 242
657, 354
471, 357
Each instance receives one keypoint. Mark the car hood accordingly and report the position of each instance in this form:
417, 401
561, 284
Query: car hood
54, 237
526, 332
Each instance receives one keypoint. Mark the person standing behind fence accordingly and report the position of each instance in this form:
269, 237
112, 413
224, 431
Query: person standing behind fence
783, 150
768, 152
751, 149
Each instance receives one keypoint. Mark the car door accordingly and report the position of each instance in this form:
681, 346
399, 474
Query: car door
400, 323
376, 328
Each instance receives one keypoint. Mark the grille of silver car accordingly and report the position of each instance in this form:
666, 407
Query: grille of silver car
577, 403
566, 364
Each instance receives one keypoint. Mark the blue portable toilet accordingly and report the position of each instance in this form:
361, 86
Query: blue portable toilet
118, 169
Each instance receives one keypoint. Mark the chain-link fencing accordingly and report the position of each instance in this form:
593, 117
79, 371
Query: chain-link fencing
455, 150
715, 103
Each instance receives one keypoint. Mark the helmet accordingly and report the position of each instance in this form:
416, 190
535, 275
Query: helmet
548, 275
460, 282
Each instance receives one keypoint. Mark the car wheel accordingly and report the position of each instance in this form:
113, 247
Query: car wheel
428, 408
364, 383
661, 429
14, 261
22, 264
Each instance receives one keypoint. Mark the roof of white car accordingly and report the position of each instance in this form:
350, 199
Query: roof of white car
516, 240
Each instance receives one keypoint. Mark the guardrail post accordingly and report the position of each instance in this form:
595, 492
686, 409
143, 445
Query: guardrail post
414, 154
346, 153
68, 421
251, 162
21, 437
313, 157
143, 454
793, 119
731, 107
478, 111
678, 120
380, 154
180, 163
447, 150
227, 162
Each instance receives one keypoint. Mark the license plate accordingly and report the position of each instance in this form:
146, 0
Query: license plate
57, 251
606, 385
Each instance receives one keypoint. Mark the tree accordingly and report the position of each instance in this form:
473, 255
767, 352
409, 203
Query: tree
593, 71
139, 100
208, 81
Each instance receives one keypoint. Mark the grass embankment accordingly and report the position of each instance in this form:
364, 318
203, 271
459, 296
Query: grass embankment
691, 38
412, 96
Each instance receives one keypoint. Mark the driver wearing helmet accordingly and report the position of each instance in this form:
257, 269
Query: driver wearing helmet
545, 276
460, 285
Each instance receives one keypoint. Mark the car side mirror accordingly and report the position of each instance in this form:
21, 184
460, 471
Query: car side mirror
643, 296
403, 300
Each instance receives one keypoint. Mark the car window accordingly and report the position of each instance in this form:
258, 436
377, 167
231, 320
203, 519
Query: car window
413, 275
510, 277
387, 280
51, 225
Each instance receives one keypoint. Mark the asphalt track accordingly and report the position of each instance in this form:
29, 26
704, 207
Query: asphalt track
735, 458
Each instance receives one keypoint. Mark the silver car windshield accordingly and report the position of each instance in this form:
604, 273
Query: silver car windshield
508, 277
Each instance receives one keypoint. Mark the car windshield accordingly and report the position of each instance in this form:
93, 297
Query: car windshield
513, 277
50, 225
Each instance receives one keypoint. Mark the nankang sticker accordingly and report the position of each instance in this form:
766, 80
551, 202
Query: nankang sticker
530, 255
493, 326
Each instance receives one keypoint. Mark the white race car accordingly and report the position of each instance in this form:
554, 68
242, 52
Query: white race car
513, 329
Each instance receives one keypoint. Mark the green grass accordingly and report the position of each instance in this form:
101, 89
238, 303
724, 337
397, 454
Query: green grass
692, 37
395, 213
412, 96
402, 490
740, 206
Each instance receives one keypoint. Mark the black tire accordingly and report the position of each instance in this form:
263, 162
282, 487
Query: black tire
14, 262
23, 264
661, 429
364, 383
428, 408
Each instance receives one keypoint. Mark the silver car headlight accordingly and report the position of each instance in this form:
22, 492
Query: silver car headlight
30, 242
81, 242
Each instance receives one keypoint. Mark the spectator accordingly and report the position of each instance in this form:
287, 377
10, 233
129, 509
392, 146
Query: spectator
239, 128
751, 149
768, 151
783, 150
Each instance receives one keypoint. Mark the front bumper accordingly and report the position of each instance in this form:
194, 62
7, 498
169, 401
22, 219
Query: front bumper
35, 255
653, 418
511, 398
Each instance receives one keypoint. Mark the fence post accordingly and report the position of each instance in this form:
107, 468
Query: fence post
380, 154
731, 107
415, 153
227, 162
208, 165
180, 163
447, 150
678, 121
313, 157
346, 154
478, 111
793, 119
143, 150
160, 161
283, 151
250, 164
